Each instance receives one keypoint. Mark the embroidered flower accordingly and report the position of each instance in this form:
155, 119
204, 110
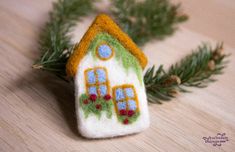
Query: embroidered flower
130, 113
122, 112
107, 97
98, 106
93, 97
125, 121
86, 101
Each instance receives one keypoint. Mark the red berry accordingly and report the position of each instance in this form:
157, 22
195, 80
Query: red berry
122, 112
107, 97
85, 101
98, 106
130, 113
126, 121
93, 97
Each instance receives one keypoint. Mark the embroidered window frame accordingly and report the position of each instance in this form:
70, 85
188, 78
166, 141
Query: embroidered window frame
126, 99
97, 82
98, 53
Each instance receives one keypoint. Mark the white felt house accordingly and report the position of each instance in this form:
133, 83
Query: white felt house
110, 94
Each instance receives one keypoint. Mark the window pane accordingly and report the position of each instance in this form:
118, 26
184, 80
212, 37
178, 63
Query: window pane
91, 77
101, 75
92, 90
104, 51
103, 90
121, 105
132, 105
119, 94
129, 92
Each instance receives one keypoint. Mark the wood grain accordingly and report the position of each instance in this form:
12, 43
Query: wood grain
37, 110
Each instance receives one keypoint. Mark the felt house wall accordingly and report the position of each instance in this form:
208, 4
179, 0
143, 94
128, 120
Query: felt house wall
110, 94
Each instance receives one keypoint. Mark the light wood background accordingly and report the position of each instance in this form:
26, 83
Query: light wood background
37, 110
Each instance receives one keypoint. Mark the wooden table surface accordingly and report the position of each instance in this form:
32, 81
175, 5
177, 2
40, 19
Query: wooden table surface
37, 110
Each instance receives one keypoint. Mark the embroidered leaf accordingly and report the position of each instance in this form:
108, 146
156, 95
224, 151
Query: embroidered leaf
131, 119
96, 107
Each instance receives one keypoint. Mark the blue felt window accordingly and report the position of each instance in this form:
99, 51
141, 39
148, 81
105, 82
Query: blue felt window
92, 90
121, 105
101, 75
132, 104
103, 90
129, 92
91, 77
104, 51
119, 94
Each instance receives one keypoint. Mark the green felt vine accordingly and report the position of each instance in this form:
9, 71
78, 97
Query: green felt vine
121, 54
128, 119
96, 105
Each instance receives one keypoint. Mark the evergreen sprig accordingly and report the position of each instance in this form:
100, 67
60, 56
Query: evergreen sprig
143, 21
148, 19
55, 39
195, 70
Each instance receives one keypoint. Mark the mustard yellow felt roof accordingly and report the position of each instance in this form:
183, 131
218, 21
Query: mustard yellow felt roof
103, 23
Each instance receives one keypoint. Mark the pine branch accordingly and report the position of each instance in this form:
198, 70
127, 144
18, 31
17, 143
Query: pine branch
195, 70
55, 40
143, 21
148, 19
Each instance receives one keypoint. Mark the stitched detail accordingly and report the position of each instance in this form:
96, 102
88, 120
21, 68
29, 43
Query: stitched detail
104, 51
101, 75
96, 81
126, 103
96, 105
119, 94
121, 105
132, 105
122, 55
92, 90
102, 23
129, 92
103, 90
91, 77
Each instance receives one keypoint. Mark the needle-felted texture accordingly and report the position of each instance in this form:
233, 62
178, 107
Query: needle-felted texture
104, 51
121, 54
126, 92
128, 116
103, 23
97, 81
101, 127
95, 105
125, 98
109, 69
126, 103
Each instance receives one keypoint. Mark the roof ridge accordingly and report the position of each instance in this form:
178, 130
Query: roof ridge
103, 23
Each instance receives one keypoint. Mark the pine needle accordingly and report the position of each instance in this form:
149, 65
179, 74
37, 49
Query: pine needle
55, 40
195, 70
143, 21
148, 19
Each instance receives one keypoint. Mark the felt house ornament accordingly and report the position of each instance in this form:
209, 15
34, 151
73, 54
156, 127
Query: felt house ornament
110, 94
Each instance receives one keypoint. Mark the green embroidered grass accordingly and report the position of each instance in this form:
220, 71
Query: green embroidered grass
131, 119
128, 60
96, 107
